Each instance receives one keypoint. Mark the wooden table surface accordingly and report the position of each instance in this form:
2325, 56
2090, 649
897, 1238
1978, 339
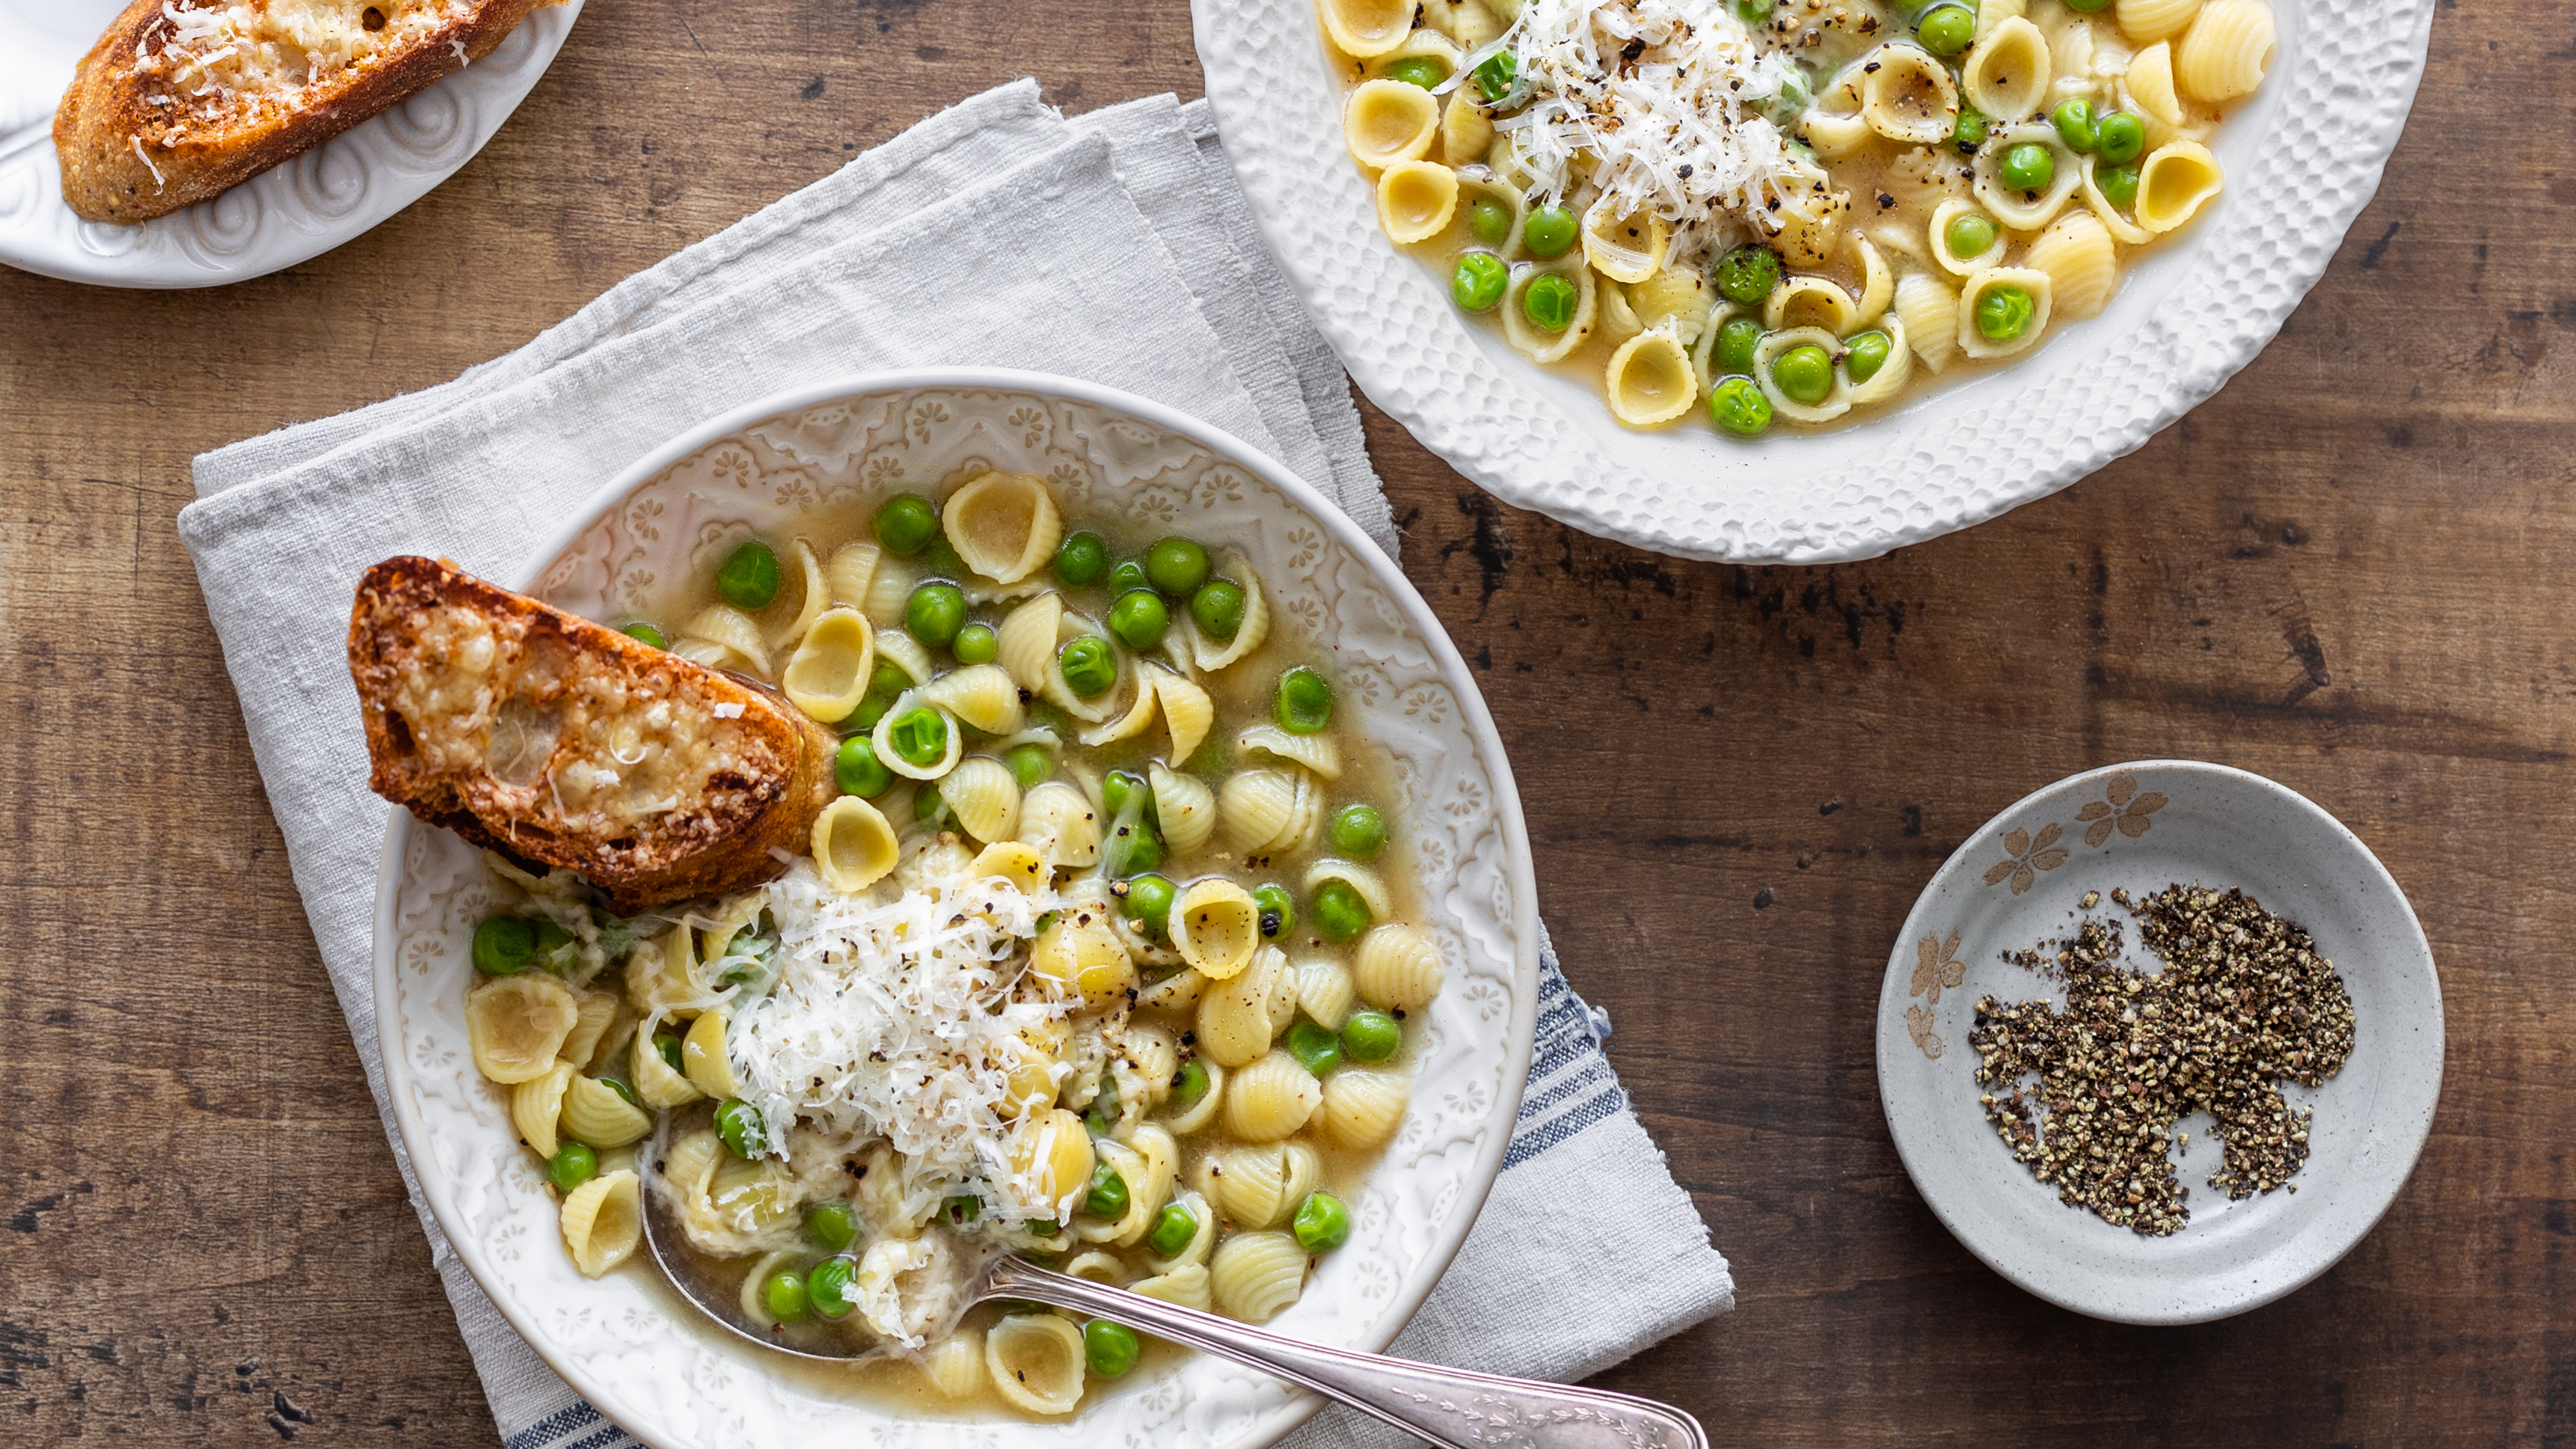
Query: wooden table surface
2348, 571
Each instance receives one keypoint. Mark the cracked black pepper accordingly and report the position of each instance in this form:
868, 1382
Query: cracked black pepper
2244, 1003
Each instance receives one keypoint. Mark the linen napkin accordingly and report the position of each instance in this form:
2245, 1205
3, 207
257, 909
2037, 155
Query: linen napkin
1112, 246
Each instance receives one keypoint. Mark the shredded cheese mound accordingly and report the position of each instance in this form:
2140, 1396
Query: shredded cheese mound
887, 1020
1652, 101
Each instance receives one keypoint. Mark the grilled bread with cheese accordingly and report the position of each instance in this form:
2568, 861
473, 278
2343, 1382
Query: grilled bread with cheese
182, 100
561, 742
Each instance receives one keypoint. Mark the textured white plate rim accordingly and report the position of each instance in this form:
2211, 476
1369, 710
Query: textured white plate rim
1520, 1032
1521, 432
2320, 1254
171, 252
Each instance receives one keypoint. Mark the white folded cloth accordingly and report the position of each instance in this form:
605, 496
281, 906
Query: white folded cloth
1112, 246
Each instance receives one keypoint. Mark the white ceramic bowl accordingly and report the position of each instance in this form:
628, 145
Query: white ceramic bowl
336, 191
2144, 826
2301, 158
623, 1341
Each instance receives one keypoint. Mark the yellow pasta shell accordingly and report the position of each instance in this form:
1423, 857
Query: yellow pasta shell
1415, 200
827, 676
1255, 1275
1059, 823
653, 1079
1362, 1109
537, 1104
1081, 956
1188, 713
1387, 121
955, 1364
1003, 525
1271, 1099
1650, 380
704, 1059
854, 847
730, 640
1011, 861
1185, 806
597, 1013
1367, 28
983, 695
2227, 51
602, 1221
1035, 1361
2174, 183
1261, 1187
1397, 968
1051, 1159
595, 1116
516, 1025
1215, 925
2082, 268
852, 569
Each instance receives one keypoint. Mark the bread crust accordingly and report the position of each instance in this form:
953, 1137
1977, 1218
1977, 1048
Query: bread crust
561, 742
104, 114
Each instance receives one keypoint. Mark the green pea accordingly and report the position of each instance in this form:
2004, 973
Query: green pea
571, 1166
1804, 374
1358, 832
1946, 30
919, 737
1489, 222
1030, 764
1418, 70
2004, 313
1129, 575
784, 1294
1108, 1196
1371, 1036
1747, 274
2088, 6
1317, 1048
931, 808
1305, 702
1548, 231
2119, 137
1278, 910
1218, 609
1176, 566
1087, 665
1103, 1112
556, 950
1478, 281
1496, 76
1753, 12
1970, 132
504, 946
1116, 787
666, 1045
1737, 405
2074, 122
1736, 342
1109, 1348
748, 578
1322, 1223
1148, 903
827, 1288
619, 1086
1081, 559
1864, 355
2028, 167
2118, 185
1189, 1083
831, 1226
976, 644
647, 633
934, 614
1139, 618
1175, 1226
858, 771
962, 1209
739, 1123
1784, 106
870, 710
906, 523
1968, 235
888, 679
1549, 302
1340, 913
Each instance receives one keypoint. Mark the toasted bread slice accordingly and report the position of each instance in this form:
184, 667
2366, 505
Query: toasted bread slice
564, 743
173, 105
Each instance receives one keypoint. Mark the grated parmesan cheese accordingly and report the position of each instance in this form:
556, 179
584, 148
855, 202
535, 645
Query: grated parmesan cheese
888, 1020
1648, 106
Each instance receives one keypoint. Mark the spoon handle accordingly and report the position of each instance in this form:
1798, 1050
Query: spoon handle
1444, 1405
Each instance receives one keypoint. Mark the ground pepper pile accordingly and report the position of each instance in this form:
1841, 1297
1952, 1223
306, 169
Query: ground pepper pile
2243, 1004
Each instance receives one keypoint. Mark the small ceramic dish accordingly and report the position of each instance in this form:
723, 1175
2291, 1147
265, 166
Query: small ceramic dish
289, 213
2021, 881
623, 1340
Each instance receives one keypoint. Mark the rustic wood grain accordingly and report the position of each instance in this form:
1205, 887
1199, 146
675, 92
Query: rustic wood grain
2348, 571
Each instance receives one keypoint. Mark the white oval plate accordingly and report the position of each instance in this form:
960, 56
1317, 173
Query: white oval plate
675, 1383
2144, 826
2301, 158
282, 216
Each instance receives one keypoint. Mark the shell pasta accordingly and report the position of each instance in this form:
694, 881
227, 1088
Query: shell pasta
1751, 214
1105, 953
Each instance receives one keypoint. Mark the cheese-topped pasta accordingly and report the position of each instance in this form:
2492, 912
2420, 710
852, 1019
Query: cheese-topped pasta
1712, 207
1104, 954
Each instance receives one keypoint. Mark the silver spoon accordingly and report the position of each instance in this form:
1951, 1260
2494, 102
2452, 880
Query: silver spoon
1447, 1406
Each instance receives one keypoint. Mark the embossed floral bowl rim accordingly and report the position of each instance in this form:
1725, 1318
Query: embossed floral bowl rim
2017, 882
290, 213
2302, 157
625, 1342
